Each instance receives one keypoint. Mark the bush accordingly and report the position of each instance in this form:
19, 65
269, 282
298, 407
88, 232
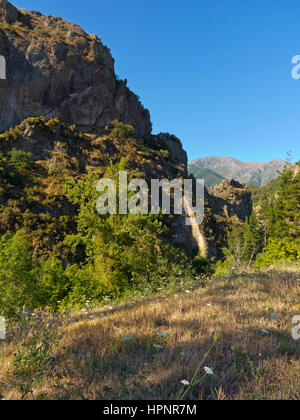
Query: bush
13, 165
279, 250
35, 335
121, 130
17, 285
26, 281
19, 160
200, 264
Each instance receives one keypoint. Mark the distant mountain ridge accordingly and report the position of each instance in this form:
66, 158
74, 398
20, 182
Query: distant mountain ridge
259, 173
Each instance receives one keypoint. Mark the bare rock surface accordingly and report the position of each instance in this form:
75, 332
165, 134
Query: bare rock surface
54, 68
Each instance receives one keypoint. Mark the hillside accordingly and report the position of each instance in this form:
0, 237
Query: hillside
210, 177
56, 69
246, 172
123, 305
258, 193
65, 81
143, 350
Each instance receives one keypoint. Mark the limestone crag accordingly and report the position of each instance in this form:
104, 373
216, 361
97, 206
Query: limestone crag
55, 68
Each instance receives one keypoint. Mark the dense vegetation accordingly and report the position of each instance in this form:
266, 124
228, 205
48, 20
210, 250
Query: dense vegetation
53, 261
90, 257
272, 234
110, 257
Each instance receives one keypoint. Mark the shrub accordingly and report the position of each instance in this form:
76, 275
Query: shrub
279, 250
19, 160
28, 281
121, 130
200, 264
17, 285
35, 335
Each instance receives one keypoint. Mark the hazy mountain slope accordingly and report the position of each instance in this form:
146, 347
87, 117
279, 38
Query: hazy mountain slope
258, 172
211, 178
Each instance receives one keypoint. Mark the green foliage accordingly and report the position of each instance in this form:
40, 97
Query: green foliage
259, 193
273, 235
111, 256
211, 178
223, 268
17, 284
120, 130
244, 243
200, 264
19, 159
35, 335
164, 153
13, 165
123, 252
279, 250
279, 216
26, 281
284, 214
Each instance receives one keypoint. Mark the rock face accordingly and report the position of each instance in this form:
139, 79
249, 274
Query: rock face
234, 198
174, 146
56, 69
227, 203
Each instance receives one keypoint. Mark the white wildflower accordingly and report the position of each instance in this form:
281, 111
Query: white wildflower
208, 371
185, 383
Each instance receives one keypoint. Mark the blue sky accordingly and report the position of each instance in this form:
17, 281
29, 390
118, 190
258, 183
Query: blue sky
215, 73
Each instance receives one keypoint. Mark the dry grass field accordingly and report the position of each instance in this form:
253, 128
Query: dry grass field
144, 349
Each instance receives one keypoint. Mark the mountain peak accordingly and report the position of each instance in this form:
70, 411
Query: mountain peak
259, 173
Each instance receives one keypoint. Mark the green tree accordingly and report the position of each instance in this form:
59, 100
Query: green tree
17, 284
120, 248
279, 216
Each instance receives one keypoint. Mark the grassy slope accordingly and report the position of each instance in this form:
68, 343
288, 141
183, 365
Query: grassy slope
211, 178
93, 362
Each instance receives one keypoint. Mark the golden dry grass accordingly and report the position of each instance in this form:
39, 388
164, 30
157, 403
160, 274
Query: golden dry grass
94, 362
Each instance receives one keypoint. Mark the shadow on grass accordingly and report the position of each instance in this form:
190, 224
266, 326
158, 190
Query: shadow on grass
137, 369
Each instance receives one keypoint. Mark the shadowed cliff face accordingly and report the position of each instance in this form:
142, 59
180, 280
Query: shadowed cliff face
56, 69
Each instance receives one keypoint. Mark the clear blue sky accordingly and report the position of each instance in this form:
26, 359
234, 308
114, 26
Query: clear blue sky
216, 73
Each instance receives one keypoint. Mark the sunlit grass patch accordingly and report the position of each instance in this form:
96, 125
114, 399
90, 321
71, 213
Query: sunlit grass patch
145, 349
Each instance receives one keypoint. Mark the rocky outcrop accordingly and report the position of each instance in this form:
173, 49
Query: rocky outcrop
234, 198
228, 203
174, 146
56, 69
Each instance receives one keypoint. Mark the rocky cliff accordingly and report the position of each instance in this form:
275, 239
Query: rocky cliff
57, 104
56, 69
228, 203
